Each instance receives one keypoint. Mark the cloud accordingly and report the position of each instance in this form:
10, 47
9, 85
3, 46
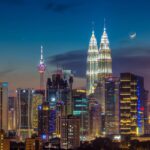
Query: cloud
74, 60
135, 59
127, 59
6, 72
62, 7
132, 51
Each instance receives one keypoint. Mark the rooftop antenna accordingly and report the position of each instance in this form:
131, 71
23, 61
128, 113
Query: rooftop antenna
93, 25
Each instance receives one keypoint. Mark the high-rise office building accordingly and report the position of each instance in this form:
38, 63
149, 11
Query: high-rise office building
2, 136
112, 106
59, 95
95, 119
24, 113
41, 69
92, 64
80, 109
12, 119
4, 106
33, 144
70, 132
147, 114
132, 99
44, 121
37, 99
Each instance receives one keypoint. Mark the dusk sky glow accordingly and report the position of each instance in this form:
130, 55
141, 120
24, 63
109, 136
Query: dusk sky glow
64, 28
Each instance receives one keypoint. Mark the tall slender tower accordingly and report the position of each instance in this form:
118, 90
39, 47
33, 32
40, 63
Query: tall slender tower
41, 69
92, 64
105, 60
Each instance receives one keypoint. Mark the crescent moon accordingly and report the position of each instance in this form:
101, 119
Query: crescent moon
132, 36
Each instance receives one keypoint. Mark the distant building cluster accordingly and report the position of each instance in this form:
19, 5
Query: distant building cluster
58, 116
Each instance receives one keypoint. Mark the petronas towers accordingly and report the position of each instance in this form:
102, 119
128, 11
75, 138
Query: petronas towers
99, 61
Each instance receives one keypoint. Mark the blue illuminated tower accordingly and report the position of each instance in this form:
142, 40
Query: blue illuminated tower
41, 69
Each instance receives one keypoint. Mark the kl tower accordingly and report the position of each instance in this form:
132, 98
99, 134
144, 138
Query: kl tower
41, 70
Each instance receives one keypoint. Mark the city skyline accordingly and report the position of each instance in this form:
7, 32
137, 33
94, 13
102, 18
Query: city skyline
65, 32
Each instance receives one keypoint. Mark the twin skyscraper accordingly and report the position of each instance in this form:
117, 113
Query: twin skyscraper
99, 61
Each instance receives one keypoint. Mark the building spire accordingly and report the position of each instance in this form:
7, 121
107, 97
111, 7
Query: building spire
104, 44
93, 24
41, 69
104, 24
41, 57
41, 52
93, 41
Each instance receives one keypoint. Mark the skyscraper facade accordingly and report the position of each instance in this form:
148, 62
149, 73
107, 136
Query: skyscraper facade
24, 113
4, 106
37, 99
70, 132
131, 104
80, 109
59, 89
94, 118
112, 106
44, 121
59, 99
12, 119
147, 114
92, 64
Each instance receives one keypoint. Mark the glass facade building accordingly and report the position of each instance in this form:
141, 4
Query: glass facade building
132, 101
24, 113
81, 110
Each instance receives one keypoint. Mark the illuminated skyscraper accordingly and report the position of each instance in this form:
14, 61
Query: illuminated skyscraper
70, 132
94, 118
104, 60
132, 99
44, 121
12, 105
80, 109
92, 64
41, 69
112, 106
24, 113
59, 101
104, 72
37, 100
4, 106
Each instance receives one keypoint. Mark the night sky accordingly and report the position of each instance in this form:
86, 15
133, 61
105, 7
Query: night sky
64, 28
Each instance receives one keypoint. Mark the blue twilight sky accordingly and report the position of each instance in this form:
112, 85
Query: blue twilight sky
64, 27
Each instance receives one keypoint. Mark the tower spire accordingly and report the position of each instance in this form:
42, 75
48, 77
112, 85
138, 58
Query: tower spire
104, 24
104, 44
93, 24
41, 52
41, 69
41, 57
